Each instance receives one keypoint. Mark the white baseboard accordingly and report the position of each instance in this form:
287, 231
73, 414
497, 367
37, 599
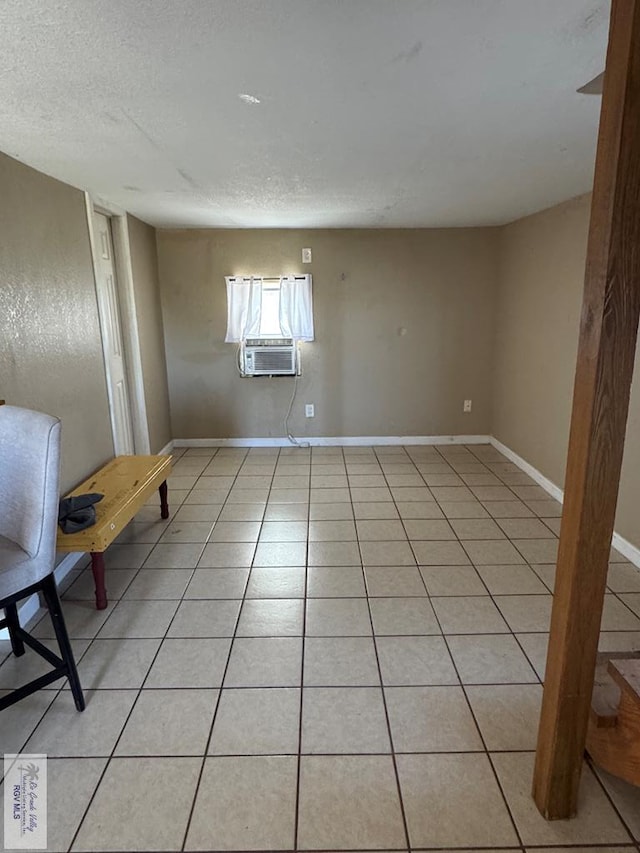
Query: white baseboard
626, 548
555, 491
334, 441
166, 449
69, 562
30, 606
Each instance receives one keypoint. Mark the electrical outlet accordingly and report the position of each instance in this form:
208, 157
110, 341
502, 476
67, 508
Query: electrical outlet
309, 410
306, 256
467, 406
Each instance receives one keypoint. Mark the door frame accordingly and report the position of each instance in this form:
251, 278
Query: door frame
128, 314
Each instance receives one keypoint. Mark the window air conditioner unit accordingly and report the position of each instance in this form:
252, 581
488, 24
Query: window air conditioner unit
269, 357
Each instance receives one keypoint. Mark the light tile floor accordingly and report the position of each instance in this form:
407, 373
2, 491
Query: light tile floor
327, 649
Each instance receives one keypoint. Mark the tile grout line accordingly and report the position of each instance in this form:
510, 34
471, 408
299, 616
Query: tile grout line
328, 685
396, 772
438, 752
296, 824
593, 769
222, 680
464, 693
489, 593
482, 738
513, 633
473, 716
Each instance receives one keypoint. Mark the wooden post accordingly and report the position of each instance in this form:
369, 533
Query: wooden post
608, 330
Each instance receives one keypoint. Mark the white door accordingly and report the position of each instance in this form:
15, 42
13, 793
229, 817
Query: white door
114, 356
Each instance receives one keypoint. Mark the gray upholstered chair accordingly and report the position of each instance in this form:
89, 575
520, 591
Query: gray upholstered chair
29, 477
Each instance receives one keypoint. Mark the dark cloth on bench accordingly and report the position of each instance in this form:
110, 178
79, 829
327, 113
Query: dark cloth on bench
78, 512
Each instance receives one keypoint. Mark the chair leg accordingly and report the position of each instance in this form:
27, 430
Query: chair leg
13, 623
52, 600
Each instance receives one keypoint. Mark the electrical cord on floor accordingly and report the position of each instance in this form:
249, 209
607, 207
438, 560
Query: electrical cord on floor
291, 437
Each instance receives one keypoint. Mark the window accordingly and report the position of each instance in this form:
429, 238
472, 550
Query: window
269, 308
270, 312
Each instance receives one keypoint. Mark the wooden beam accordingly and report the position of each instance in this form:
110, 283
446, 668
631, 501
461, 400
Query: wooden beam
608, 330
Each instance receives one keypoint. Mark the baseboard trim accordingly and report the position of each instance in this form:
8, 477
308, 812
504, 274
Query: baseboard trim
626, 548
549, 486
334, 441
167, 448
30, 606
68, 563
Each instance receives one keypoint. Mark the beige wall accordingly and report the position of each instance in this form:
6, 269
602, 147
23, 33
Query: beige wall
364, 377
144, 263
50, 345
50, 349
542, 260
538, 312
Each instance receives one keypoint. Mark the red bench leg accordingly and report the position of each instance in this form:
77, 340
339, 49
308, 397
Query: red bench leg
97, 567
164, 504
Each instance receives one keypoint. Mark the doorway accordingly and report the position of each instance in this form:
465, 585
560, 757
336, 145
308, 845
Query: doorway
118, 314
112, 338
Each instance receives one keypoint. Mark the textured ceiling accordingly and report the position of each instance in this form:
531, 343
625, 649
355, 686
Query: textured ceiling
372, 113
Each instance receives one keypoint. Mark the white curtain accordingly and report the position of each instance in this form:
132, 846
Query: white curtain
244, 303
296, 307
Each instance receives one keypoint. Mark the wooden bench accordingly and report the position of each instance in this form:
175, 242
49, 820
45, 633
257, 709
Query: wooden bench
126, 482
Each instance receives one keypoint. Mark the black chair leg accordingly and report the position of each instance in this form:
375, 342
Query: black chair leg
52, 600
13, 624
